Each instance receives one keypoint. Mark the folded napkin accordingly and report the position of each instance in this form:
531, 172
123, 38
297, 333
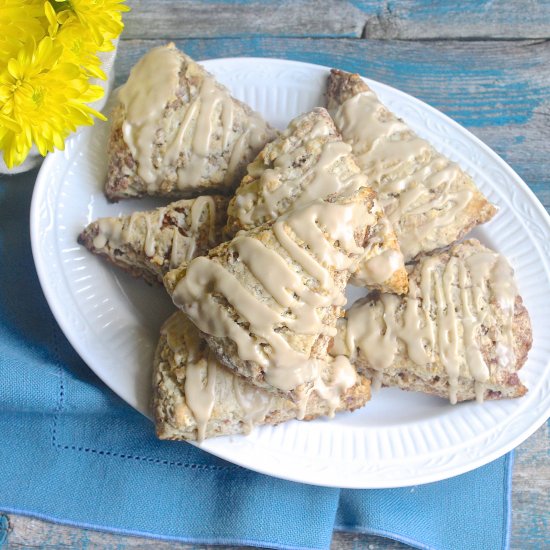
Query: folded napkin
73, 452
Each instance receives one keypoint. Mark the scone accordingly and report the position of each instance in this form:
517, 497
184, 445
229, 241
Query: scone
310, 161
149, 244
195, 397
268, 300
178, 133
462, 332
429, 200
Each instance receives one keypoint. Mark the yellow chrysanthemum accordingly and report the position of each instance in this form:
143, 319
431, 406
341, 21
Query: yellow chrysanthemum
20, 21
79, 46
103, 18
45, 97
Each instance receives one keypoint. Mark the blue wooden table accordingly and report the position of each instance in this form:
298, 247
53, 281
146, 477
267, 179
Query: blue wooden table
484, 63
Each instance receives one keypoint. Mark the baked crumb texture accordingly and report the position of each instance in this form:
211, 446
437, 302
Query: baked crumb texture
196, 397
309, 161
462, 332
430, 202
148, 244
178, 133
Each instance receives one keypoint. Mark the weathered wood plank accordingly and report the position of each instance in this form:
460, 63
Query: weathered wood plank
531, 494
530, 505
498, 90
404, 20
172, 19
449, 19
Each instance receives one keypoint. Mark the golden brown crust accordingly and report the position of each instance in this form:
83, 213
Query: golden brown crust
398, 282
342, 85
523, 335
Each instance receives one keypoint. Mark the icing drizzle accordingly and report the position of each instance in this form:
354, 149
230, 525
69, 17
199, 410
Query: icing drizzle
261, 326
304, 169
120, 232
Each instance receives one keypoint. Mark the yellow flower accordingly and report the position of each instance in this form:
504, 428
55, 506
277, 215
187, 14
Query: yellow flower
79, 46
20, 21
45, 98
103, 18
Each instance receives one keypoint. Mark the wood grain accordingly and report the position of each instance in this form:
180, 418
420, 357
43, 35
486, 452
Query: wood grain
530, 505
498, 90
168, 19
403, 20
449, 19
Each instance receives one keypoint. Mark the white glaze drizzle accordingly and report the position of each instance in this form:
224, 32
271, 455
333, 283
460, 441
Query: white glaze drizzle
343, 377
286, 185
379, 268
277, 190
254, 402
202, 375
152, 84
212, 106
200, 391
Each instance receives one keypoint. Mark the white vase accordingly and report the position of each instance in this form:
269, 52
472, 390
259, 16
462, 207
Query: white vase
34, 158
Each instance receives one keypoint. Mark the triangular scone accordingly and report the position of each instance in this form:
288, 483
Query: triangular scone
310, 161
267, 301
177, 132
429, 200
462, 332
195, 397
149, 244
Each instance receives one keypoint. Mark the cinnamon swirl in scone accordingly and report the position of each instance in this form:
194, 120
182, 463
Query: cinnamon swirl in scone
179, 133
148, 244
268, 300
310, 161
429, 200
195, 397
462, 332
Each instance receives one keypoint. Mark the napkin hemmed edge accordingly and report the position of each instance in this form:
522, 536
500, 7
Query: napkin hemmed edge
149, 535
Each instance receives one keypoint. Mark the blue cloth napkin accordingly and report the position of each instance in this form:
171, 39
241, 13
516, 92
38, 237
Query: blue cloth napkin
73, 452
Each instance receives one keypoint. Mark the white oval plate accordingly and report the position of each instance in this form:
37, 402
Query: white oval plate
399, 438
